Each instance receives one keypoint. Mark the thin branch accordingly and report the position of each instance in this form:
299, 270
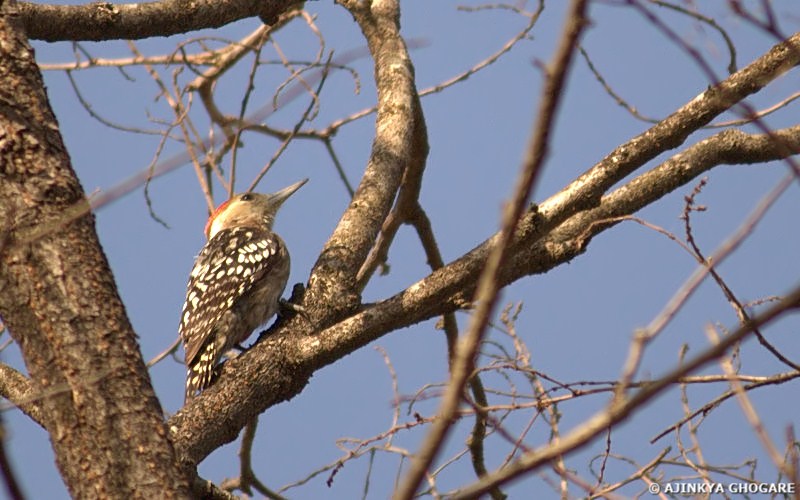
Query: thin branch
600, 421
166, 352
247, 476
298, 125
585, 192
713, 264
645, 335
710, 22
748, 409
706, 408
461, 77
489, 283
640, 473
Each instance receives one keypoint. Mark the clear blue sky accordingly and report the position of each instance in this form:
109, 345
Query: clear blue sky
577, 320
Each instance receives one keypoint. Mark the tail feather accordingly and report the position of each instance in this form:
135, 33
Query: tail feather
200, 373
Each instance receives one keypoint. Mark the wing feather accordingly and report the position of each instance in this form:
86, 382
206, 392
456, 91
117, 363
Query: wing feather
226, 269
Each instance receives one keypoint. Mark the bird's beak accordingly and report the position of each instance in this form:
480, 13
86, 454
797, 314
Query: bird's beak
281, 196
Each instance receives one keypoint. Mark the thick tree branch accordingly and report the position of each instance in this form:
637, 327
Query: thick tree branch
108, 21
400, 143
730, 147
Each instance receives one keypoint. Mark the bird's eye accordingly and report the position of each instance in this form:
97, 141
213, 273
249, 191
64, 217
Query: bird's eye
246, 197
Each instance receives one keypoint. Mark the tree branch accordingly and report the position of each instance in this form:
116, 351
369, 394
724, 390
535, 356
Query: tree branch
108, 21
400, 144
17, 388
585, 191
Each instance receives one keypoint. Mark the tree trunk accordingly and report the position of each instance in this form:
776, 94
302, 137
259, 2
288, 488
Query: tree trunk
60, 304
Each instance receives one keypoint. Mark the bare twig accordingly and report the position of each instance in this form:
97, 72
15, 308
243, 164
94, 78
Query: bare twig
489, 283
612, 415
166, 352
645, 335
747, 407
305, 116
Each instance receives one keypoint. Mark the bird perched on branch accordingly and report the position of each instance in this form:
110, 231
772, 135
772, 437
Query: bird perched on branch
236, 282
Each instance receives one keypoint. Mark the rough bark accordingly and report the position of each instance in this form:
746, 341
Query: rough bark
400, 143
97, 21
59, 302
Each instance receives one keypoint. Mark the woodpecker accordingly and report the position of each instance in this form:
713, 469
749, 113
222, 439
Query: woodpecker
236, 282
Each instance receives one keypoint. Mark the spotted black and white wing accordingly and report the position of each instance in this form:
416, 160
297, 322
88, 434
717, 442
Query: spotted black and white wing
232, 270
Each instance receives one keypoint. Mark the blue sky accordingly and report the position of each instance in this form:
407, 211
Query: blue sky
577, 320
